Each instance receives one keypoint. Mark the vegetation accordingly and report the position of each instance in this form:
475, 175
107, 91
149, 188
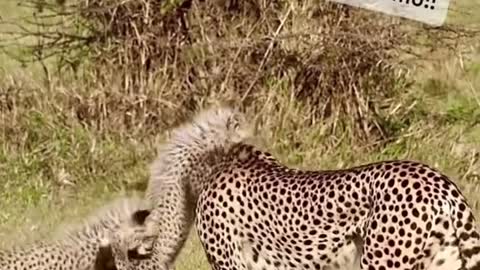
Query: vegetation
327, 86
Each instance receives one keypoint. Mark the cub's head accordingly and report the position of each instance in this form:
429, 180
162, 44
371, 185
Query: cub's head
115, 251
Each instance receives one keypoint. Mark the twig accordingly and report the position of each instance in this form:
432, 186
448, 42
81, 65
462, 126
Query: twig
270, 47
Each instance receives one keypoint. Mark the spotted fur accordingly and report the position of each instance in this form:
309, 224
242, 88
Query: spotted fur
252, 212
79, 246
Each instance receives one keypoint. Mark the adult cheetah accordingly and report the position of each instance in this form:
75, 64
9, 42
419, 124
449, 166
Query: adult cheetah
83, 246
252, 212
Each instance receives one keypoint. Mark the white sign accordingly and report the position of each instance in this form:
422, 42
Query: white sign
433, 12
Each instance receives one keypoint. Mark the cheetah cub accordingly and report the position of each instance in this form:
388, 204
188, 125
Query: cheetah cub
84, 246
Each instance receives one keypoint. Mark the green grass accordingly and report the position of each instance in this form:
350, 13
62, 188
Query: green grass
54, 170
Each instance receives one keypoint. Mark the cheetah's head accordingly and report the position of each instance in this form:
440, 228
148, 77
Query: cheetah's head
116, 250
229, 124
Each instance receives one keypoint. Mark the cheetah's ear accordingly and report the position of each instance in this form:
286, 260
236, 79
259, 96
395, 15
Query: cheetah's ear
140, 216
104, 259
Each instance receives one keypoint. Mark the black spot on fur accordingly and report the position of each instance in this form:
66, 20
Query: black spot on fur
104, 259
133, 255
140, 216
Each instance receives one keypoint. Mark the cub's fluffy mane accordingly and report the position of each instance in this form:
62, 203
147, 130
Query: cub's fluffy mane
210, 129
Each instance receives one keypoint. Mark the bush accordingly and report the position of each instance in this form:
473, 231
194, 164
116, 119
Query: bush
154, 61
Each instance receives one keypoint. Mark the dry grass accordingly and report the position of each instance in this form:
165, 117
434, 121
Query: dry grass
337, 59
321, 100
